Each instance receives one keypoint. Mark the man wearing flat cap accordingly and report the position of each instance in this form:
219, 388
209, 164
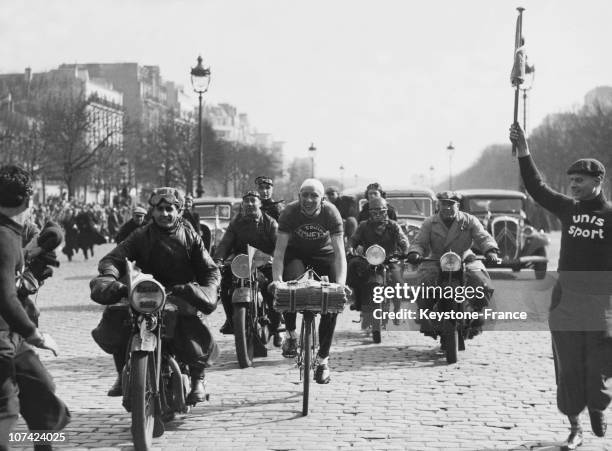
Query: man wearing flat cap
137, 220
251, 227
265, 187
580, 317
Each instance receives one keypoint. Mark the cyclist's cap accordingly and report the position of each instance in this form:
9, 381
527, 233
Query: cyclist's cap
314, 185
167, 194
252, 193
139, 211
588, 166
263, 180
451, 196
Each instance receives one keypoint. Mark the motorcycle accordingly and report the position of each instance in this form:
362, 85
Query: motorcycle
377, 276
455, 326
250, 312
155, 385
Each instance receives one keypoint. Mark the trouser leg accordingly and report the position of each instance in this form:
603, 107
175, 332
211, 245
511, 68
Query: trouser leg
327, 326
9, 392
39, 406
598, 370
570, 366
226, 293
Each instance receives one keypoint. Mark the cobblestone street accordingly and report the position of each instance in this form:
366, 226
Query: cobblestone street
399, 394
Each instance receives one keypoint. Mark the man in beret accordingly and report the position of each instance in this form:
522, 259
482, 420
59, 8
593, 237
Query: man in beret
265, 187
137, 220
170, 250
581, 308
251, 227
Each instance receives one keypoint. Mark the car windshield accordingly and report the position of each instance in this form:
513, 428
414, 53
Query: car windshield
508, 205
411, 206
213, 211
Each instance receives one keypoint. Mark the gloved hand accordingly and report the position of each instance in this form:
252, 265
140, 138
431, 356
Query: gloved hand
107, 290
414, 258
219, 263
492, 258
196, 295
272, 287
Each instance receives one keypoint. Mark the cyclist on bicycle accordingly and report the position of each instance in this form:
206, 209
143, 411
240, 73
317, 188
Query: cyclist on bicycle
310, 234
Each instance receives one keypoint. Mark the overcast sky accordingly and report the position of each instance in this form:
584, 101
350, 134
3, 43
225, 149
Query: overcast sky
380, 87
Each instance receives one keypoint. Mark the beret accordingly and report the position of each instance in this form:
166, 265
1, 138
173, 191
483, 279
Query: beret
589, 166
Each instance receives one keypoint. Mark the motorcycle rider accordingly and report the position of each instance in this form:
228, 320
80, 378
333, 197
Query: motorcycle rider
380, 230
265, 187
347, 206
250, 227
374, 191
451, 229
310, 234
170, 250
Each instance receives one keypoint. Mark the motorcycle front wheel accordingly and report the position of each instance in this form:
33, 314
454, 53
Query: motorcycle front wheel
243, 336
451, 342
142, 400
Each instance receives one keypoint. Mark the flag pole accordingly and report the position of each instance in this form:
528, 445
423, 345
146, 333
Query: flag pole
517, 82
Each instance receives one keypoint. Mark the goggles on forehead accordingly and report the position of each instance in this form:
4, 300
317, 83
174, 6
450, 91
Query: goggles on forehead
167, 194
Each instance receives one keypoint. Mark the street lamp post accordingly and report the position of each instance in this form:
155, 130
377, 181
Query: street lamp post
200, 79
312, 149
450, 149
341, 177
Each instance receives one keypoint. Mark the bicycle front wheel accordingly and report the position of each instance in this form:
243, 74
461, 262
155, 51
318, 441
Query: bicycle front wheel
306, 362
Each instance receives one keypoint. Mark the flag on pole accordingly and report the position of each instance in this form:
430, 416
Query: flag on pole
517, 76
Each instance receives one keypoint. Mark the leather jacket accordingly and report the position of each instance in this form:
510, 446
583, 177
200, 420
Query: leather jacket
174, 257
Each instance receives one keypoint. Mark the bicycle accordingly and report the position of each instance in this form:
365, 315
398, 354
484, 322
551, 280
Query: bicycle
308, 296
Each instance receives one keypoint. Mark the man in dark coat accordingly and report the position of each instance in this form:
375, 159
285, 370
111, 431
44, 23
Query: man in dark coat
137, 220
580, 317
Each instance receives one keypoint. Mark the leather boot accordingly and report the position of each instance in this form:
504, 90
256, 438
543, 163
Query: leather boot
116, 389
198, 390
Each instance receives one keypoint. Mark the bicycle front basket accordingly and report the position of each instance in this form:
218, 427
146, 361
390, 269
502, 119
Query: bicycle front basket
309, 295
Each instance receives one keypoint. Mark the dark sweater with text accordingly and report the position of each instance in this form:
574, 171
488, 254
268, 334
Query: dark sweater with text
586, 236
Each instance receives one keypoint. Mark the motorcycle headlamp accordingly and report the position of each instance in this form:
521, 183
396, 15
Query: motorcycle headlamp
375, 255
240, 266
450, 262
147, 296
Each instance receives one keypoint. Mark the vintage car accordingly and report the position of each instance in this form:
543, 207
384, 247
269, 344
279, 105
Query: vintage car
215, 214
502, 212
413, 205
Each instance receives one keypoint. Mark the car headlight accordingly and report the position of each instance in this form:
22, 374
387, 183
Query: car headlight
240, 266
450, 262
375, 255
147, 296
528, 230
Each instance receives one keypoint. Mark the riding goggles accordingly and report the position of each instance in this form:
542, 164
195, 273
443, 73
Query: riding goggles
167, 194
